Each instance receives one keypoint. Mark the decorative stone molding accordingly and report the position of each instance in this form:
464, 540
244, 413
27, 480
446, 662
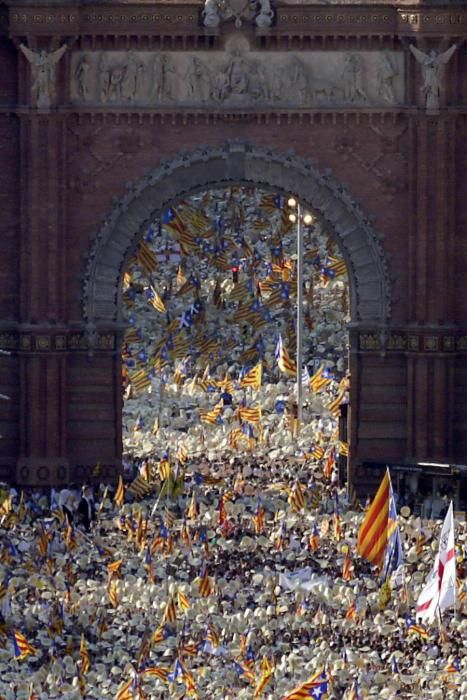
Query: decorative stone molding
239, 77
428, 342
58, 342
241, 163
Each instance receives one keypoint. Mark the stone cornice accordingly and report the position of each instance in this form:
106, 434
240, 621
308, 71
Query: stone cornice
183, 19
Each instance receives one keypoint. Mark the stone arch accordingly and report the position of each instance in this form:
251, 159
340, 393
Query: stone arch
239, 163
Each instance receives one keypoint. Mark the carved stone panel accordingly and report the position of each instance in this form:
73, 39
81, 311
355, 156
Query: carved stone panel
237, 78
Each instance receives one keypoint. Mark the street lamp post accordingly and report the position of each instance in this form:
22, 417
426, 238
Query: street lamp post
299, 314
299, 219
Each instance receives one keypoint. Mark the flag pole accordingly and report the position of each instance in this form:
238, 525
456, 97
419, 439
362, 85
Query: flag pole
299, 314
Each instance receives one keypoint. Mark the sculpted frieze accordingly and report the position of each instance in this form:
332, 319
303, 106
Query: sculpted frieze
237, 78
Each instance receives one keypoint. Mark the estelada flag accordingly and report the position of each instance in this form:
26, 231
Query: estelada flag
373, 533
119, 497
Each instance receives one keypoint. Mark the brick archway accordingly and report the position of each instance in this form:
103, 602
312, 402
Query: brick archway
237, 163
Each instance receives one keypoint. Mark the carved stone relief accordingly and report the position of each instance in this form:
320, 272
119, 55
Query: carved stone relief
238, 78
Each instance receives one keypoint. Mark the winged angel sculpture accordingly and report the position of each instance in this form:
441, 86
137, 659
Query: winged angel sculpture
43, 73
432, 64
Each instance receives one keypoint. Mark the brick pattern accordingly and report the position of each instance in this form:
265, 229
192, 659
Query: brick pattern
66, 172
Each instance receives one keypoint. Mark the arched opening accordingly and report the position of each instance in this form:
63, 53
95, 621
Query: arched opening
239, 165
215, 336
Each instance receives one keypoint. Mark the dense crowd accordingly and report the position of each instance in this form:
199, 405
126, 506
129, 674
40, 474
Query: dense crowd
226, 566
231, 579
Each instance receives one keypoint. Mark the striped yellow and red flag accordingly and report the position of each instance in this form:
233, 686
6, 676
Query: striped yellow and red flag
297, 498
157, 302
156, 672
22, 647
347, 568
43, 543
113, 593
461, 593
211, 416
170, 612
343, 448
185, 534
114, 567
119, 497
140, 380
222, 511
159, 635
182, 454
334, 406
189, 648
146, 258
84, 655
125, 691
284, 361
264, 681
183, 601
259, 519
373, 533
192, 512
250, 415
205, 586
213, 635
165, 469
420, 543
304, 690
253, 377
351, 613
318, 381
235, 436
181, 279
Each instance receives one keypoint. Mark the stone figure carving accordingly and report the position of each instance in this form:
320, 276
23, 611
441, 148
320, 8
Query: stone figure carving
104, 78
157, 91
169, 79
43, 73
240, 77
276, 85
258, 87
385, 75
298, 81
432, 64
134, 70
163, 78
216, 11
117, 76
220, 88
198, 80
82, 75
210, 14
352, 85
266, 14
237, 73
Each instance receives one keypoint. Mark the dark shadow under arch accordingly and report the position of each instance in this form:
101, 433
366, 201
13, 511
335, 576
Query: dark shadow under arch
237, 163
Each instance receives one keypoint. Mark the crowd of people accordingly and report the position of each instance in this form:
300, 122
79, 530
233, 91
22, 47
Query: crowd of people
225, 564
210, 297
230, 579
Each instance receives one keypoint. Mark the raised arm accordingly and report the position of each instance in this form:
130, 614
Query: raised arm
55, 56
419, 55
444, 57
30, 55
